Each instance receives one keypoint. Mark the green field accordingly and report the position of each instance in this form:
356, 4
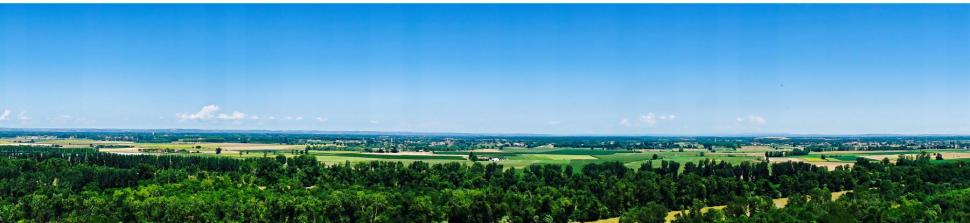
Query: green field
512, 157
393, 156
552, 157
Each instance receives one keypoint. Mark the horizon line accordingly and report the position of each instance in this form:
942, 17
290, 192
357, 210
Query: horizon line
380, 132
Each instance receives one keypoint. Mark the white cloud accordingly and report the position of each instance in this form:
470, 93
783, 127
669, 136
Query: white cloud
322, 119
210, 112
299, 118
757, 120
23, 116
752, 119
6, 115
234, 116
375, 122
649, 120
206, 113
625, 122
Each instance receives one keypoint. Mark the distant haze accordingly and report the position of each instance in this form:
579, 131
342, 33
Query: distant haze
539, 69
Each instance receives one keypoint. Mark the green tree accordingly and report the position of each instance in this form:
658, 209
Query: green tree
649, 213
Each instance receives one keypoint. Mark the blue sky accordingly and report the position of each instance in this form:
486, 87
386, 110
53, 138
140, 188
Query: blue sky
559, 69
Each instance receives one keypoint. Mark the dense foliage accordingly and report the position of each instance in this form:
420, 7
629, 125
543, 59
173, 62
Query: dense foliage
911, 190
82, 186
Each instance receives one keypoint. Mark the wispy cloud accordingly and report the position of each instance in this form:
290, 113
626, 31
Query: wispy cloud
625, 122
322, 119
234, 116
292, 118
649, 120
6, 115
23, 116
70, 119
752, 119
210, 112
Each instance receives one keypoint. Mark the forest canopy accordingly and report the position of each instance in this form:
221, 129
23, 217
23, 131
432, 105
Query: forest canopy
79, 185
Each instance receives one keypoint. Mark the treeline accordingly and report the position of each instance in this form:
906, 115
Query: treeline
793, 152
67, 185
328, 148
109, 146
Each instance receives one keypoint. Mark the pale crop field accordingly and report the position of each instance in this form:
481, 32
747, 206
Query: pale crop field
956, 155
756, 148
946, 156
813, 159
